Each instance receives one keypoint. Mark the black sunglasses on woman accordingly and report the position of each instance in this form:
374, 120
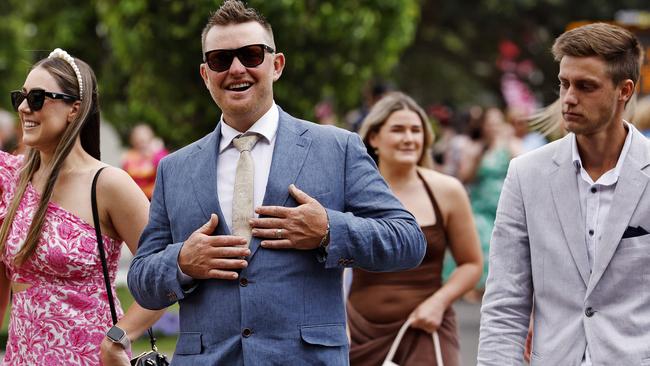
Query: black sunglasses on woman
36, 98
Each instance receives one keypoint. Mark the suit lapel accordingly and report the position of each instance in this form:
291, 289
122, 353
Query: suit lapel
631, 184
289, 153
204, 178
564, 187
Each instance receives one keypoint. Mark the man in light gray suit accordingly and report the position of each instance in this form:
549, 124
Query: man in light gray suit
264, 289
571, 232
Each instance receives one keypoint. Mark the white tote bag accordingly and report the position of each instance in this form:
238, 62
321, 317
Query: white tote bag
393, 349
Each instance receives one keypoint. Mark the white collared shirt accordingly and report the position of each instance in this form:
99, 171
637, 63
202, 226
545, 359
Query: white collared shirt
595, 201
262, 153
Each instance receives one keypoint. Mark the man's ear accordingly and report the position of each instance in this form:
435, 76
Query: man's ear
627, 90
278, 66
74, 111
204, 73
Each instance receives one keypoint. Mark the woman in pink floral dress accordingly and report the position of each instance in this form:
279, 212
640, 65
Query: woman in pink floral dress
48, 248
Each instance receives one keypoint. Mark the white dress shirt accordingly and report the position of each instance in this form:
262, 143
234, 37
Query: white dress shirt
595, 201
262, 153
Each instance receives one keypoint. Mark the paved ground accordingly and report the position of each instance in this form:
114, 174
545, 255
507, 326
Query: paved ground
468, 316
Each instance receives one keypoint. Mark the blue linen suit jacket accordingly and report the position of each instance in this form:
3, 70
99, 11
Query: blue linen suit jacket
287, 308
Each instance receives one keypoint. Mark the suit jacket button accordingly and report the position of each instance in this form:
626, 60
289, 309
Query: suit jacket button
243, 282
589, 312
247, 332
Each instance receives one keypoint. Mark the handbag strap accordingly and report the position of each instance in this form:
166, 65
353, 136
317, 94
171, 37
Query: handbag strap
152, 340
398, 340
100, 246
102, 256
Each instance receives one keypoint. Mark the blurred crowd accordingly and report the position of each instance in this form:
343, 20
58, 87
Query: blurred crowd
142, 158
475, 145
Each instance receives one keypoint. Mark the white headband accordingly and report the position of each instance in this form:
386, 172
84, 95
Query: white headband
59, 53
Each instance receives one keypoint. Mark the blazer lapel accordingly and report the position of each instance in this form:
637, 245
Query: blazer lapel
289, 153
564, 187
204, 178
631, 184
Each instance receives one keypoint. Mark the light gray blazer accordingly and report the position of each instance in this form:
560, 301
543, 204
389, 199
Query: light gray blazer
538, 254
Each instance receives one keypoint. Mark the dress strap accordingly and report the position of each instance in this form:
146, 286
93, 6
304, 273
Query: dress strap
434, 203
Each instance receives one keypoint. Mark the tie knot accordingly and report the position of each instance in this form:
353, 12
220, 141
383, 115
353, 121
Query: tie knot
245, 143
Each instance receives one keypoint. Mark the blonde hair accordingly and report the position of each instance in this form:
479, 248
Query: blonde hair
382, 110
85, 126
618, 47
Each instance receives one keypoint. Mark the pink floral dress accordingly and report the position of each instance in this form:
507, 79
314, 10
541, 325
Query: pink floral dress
62, 318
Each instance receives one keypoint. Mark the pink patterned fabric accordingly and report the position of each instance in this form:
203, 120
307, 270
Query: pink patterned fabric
62, 318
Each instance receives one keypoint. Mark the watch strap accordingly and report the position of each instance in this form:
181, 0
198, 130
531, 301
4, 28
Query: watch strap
321, 250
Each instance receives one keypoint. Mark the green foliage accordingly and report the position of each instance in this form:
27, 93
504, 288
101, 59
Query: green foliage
12, 63
334, 46
157, 51
453, 58
147, 53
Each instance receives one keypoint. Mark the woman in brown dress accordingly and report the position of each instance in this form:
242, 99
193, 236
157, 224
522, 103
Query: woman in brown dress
398, 136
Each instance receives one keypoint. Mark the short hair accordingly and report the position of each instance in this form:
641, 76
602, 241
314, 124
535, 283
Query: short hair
619, 48
382, 110
235, 12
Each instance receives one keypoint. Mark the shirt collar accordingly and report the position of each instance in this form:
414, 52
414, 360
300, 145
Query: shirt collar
266, 126
611, 176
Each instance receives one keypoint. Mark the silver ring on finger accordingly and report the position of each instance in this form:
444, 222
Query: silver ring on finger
278, 234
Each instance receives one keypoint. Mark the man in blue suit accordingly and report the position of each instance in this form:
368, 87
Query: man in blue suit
264, 288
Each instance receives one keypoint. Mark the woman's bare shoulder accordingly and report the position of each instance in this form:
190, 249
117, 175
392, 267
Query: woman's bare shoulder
441, 183
116, 182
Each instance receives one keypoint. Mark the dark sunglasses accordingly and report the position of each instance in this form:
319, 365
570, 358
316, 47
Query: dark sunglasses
249, 56
36, 98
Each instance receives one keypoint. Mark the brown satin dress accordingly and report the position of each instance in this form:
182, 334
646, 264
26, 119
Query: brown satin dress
380, 303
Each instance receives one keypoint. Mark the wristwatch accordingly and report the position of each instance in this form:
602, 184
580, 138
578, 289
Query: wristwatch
118, 335
322, 246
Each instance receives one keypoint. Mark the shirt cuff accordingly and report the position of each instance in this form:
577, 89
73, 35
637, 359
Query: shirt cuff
183, 278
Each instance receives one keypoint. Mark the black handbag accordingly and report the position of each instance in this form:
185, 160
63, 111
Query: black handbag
149, 358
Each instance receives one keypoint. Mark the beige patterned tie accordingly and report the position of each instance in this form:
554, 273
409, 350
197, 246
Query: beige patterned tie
242, 198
